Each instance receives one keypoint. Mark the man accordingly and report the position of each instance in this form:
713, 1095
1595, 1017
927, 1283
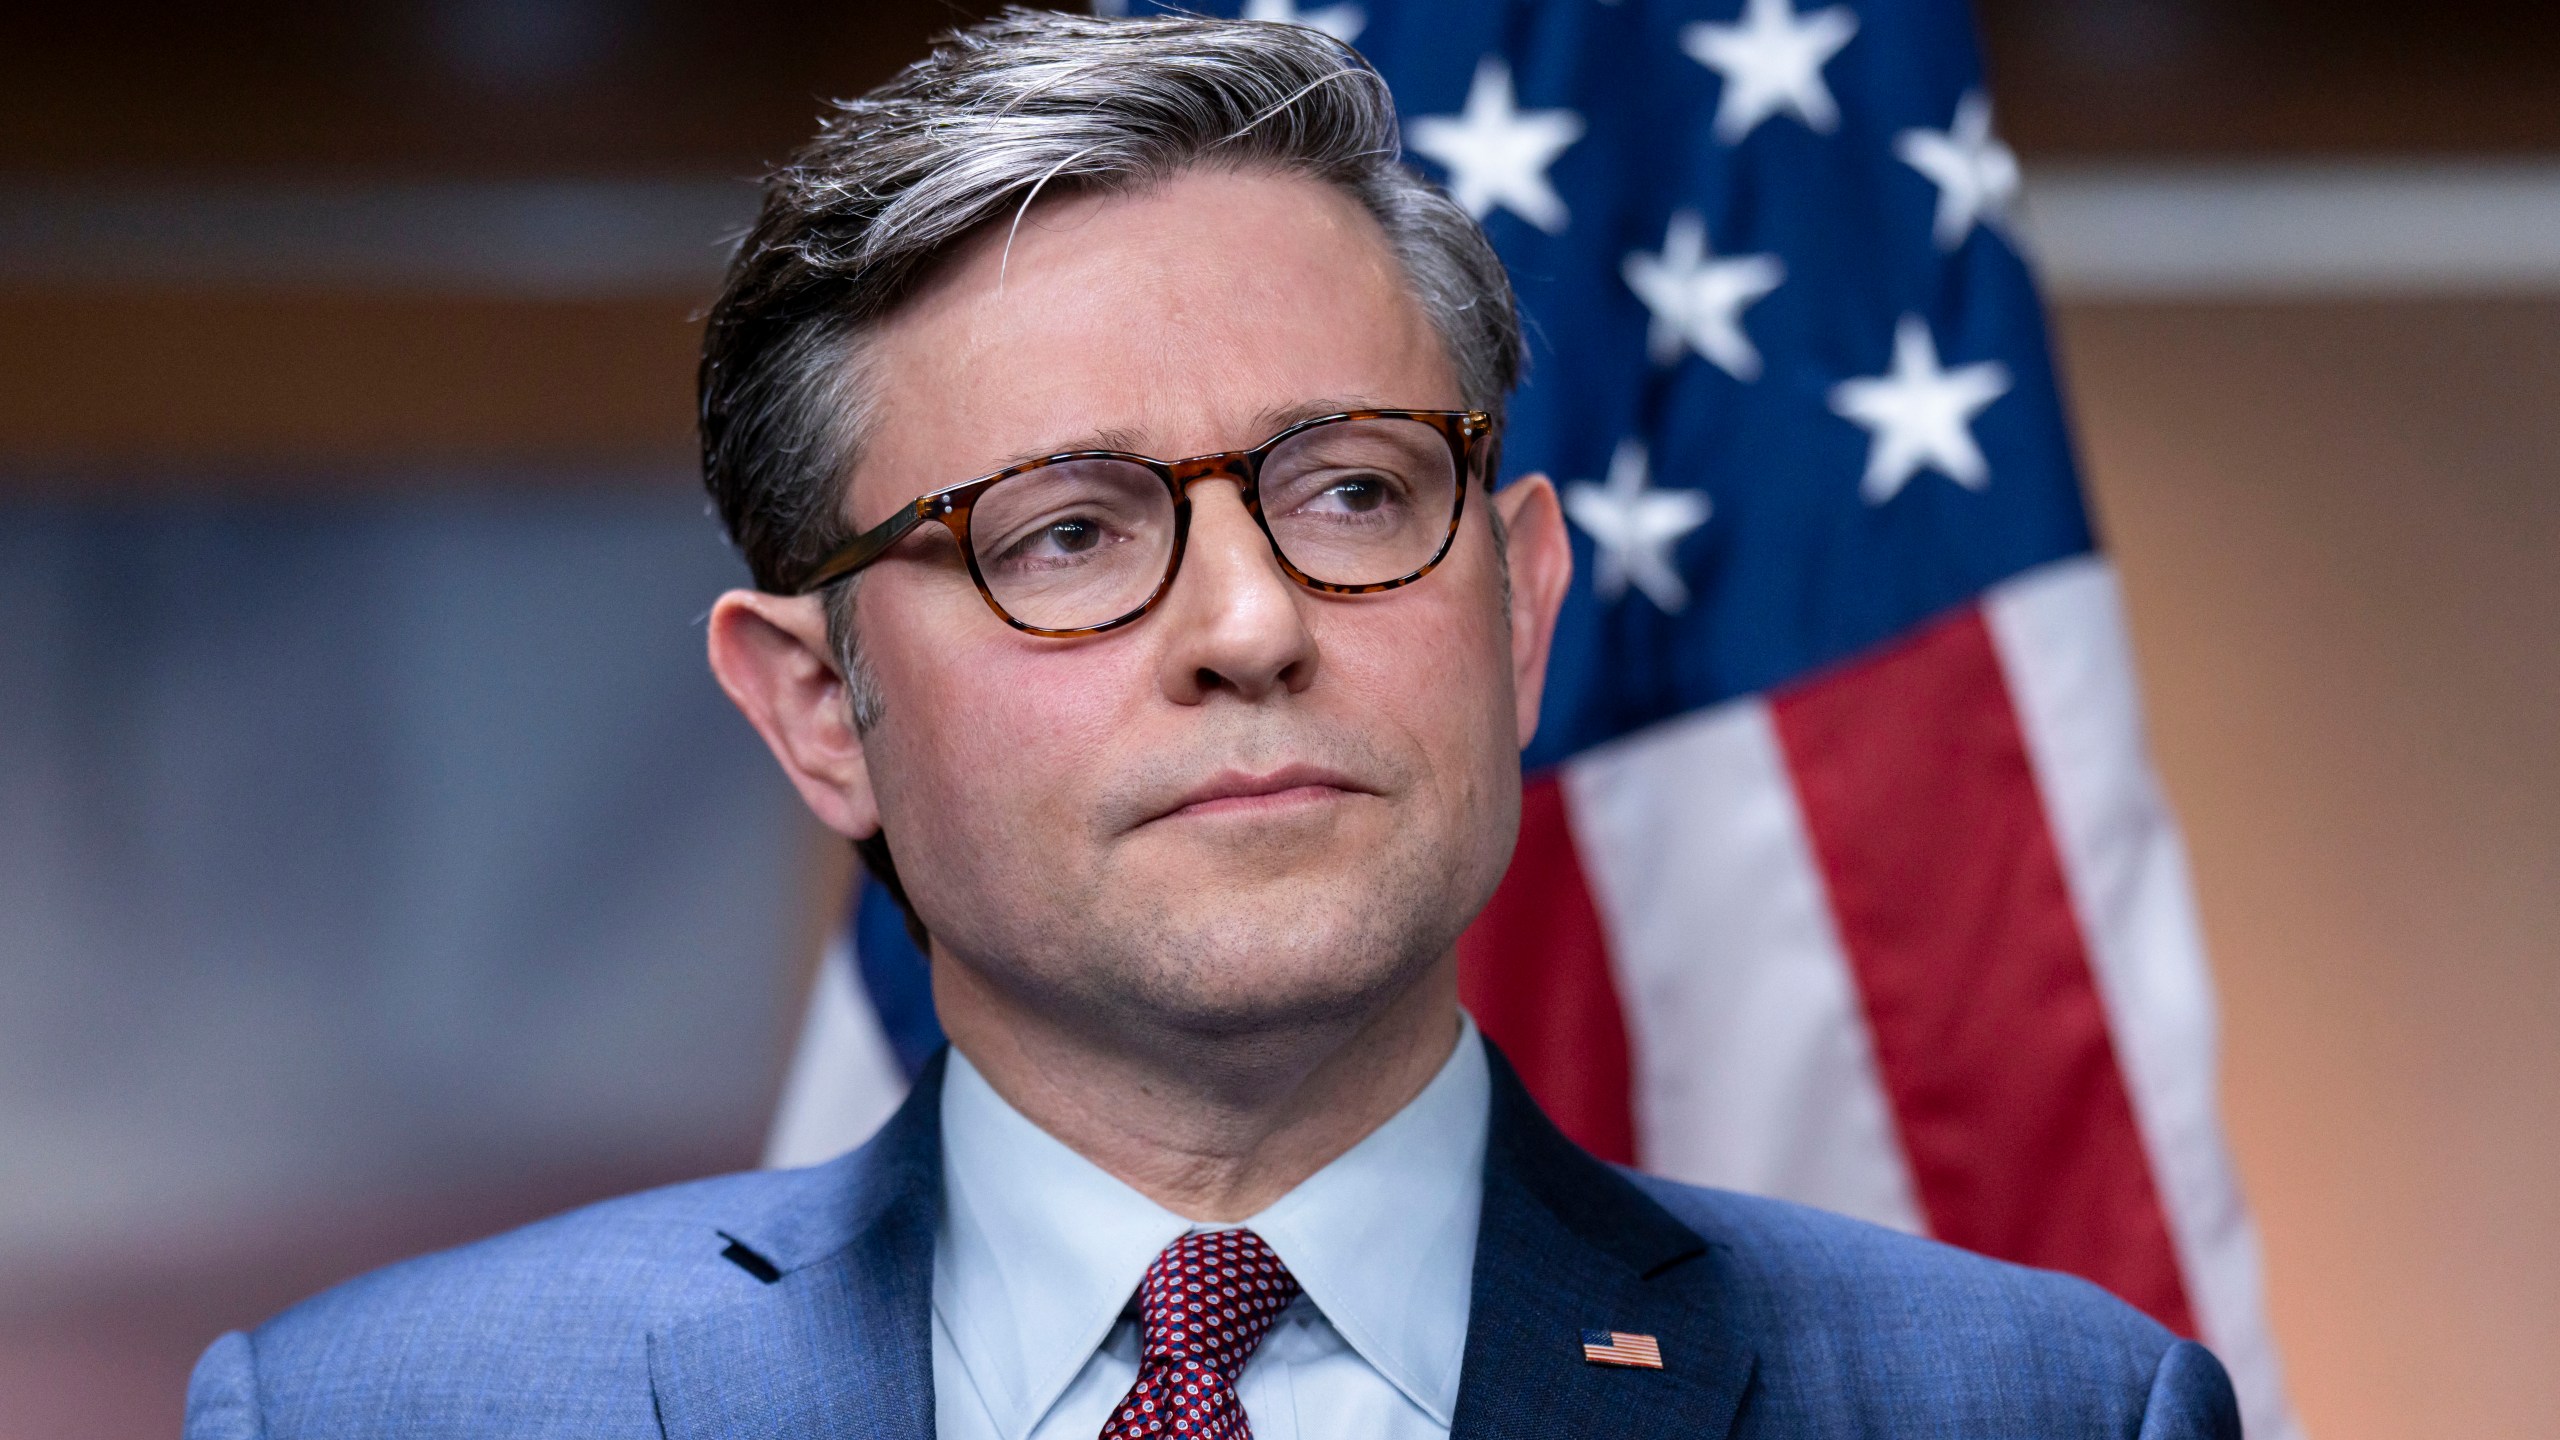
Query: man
1189, 771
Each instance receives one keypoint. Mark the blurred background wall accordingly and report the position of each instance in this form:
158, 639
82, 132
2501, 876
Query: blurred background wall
378, 867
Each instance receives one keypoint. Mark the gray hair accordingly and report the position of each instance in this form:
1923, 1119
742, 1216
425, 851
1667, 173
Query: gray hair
972, 133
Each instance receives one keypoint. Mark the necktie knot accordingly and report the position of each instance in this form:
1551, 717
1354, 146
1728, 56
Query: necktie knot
1211, 1296
1206, 1302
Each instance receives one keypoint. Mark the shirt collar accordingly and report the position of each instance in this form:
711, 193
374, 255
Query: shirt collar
1413, 1190
1040, 1249
1038, 1252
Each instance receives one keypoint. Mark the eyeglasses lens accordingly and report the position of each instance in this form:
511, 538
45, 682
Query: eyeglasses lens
1360, 502
1075, 544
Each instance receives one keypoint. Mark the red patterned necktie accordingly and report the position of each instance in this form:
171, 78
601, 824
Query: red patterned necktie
1206, 1302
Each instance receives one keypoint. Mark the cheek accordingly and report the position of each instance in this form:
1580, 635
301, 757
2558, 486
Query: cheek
991, 747
1439, 670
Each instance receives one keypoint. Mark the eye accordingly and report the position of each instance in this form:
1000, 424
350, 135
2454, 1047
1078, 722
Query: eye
1072, 536
1358, 494
1066, 538
1348, 494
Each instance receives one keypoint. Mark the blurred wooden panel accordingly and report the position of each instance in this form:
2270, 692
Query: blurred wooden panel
479, 87
2093, 78
471, 87
2339, 529
125, 389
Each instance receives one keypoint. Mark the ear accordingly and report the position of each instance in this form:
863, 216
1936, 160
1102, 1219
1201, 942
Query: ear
1541, 558
770, 654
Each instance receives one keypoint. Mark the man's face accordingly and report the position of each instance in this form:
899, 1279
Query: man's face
1257, 804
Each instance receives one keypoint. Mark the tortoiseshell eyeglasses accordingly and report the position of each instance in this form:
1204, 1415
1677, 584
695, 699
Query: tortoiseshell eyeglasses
1087, 541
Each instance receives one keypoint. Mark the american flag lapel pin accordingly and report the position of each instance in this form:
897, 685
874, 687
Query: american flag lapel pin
1620, 1347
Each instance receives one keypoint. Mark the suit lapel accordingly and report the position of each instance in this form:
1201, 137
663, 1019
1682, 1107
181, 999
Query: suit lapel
1566, 1245
842, 1343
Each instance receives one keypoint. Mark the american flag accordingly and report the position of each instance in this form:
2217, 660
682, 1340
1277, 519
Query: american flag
1843, 875
1618, 1347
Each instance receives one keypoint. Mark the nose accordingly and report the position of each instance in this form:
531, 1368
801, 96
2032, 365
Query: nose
1235, 623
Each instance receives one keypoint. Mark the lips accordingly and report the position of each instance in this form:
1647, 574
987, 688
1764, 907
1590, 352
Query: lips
1241, 792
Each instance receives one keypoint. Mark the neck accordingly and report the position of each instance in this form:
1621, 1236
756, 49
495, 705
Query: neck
1213, 1128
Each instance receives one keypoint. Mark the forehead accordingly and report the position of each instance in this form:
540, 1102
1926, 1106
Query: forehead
1177, 319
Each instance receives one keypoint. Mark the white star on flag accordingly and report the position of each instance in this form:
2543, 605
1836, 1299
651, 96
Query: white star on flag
1772, 60
1342, 22
1920, 414
1633, 528
1497, 153
1698, 300
1976, 175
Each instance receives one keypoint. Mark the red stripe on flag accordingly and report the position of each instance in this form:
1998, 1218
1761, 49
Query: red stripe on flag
1534, 971
1989, 1029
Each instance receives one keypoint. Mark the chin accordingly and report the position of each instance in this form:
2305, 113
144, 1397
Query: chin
1255, 968
1196, 940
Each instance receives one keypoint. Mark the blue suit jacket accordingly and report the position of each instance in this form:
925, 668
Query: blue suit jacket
798, 1304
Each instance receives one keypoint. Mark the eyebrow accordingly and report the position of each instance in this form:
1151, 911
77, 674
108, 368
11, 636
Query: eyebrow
1113, 438
1268, 422
1281, 417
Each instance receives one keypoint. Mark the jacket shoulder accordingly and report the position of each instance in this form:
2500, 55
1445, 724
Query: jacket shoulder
540, 1330
1911, 1336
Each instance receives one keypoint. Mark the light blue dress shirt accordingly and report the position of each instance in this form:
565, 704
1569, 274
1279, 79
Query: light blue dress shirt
1035, 1336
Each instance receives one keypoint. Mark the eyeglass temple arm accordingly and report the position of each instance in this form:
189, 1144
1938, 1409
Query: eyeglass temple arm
866, 547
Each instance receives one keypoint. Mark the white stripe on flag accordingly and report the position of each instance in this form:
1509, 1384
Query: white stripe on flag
2060, 635
1753, 1068
844, 1079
